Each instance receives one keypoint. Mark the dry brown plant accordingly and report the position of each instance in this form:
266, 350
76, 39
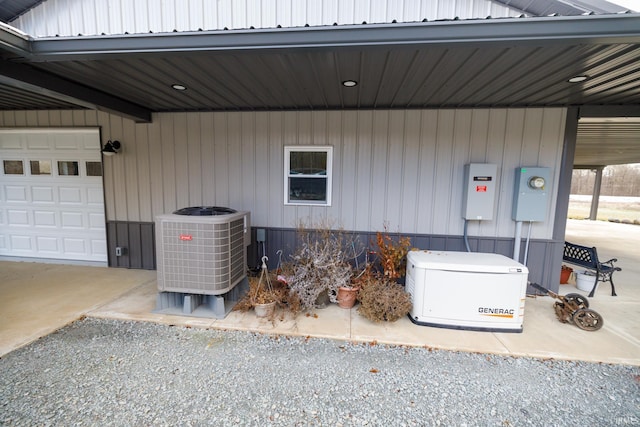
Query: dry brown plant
382, 299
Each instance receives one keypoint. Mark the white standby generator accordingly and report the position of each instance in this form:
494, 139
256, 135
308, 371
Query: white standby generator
466, 290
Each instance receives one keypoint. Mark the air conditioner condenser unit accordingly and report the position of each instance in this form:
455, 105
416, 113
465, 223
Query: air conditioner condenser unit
201, 257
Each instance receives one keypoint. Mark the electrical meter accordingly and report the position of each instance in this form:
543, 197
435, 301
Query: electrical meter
531, 194
537, 182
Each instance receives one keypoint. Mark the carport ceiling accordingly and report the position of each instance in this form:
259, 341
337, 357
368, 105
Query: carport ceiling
608, 141
442, 64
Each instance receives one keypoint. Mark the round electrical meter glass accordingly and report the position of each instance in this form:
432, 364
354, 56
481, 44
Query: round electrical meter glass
536, 182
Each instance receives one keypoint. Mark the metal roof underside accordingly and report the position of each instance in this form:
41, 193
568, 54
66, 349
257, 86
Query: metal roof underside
11, 9
445, 64
608, 141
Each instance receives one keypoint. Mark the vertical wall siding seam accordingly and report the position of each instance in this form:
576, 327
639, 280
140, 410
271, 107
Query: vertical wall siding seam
416, 209
385, 216
434, 170
522, 138
404, 168
371, 163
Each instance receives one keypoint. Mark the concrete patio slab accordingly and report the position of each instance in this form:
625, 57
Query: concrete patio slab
36, 299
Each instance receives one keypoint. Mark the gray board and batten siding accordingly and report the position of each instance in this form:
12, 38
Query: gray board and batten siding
399, 167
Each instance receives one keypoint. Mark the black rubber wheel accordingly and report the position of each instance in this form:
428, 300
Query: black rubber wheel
587, 319
582, 301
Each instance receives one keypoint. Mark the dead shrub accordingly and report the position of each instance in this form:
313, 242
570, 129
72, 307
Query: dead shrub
383, 300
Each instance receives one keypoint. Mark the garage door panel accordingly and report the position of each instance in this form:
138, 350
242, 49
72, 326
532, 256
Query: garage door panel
70, 195
95, 197
97, 221
41, 195
65, 142
48, 244
21, 242
99, 247
38, 142
44, 218
74, 246
16, 193
17, 217
50, 208
72, 220
11, 142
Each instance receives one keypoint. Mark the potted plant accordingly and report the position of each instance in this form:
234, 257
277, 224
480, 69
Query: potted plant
321, 265
348, 295
565, 274
392, 254
262, 297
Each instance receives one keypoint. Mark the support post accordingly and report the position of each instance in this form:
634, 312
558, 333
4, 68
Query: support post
595, 198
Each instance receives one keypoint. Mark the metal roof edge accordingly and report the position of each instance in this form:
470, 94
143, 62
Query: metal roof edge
619, 28
14, 40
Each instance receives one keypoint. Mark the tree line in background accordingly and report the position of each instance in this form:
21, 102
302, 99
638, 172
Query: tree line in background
618, 180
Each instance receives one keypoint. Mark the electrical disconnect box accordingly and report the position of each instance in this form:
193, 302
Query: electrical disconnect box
531, 194
479, 191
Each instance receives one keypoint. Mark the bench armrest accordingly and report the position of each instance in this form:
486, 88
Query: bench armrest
610, 263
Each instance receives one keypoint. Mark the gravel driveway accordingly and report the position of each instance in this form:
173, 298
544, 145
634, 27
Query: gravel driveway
106, 372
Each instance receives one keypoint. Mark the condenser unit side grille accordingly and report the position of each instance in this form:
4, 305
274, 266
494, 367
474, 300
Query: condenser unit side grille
237, 250
206, 256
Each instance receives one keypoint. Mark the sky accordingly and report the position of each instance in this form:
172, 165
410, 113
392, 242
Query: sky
629, 4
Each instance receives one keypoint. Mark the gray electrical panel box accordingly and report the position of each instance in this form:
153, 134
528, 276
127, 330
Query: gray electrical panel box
479, 191
531, 194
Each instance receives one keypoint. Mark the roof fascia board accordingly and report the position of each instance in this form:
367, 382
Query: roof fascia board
34, 80
594, 29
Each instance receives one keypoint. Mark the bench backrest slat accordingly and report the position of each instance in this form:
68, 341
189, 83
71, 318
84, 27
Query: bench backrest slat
580, 255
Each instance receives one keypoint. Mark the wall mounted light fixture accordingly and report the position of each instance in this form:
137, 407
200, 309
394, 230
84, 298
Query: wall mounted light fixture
111, 148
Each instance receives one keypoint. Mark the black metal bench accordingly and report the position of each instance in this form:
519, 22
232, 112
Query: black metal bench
587, 257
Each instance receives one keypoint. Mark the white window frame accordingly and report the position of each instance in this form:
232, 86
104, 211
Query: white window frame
328, 177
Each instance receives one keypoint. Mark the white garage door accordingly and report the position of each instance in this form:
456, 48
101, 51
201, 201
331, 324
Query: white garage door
51, 196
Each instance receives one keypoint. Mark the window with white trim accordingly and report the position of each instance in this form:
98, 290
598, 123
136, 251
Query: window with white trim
307, 175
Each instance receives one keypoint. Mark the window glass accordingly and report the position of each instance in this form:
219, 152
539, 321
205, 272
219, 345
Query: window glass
13, 167
308, 175
94, 169
40, 167
307, 189
308, 163
68, 168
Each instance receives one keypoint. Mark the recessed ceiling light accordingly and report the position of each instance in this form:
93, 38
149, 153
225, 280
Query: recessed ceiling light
179, 87
349, 83
577, 79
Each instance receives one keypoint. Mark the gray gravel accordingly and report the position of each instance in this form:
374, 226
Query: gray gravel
105, 372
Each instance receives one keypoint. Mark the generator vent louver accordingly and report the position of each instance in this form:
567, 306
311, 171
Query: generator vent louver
201, 250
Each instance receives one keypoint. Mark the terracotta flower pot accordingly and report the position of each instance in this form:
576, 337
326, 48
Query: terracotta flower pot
347, 297
565, 273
